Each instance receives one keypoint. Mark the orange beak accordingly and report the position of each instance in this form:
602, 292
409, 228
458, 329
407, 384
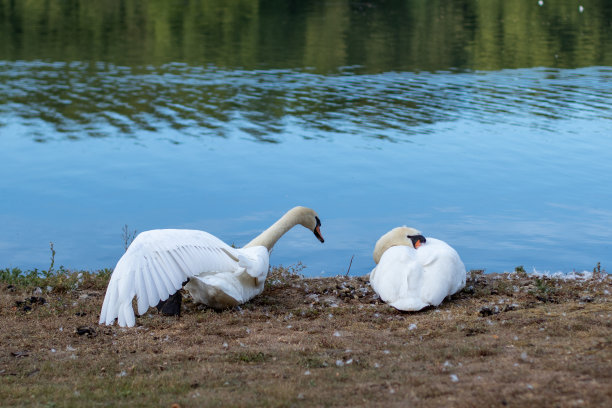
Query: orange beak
417, 244
317, 233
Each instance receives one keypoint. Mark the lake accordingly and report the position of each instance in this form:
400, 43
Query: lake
487, 124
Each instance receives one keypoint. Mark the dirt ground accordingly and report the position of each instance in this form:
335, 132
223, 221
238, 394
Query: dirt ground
506, 340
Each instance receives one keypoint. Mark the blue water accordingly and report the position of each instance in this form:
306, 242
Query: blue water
510, 167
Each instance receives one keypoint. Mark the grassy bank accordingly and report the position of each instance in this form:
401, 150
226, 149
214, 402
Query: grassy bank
506, 340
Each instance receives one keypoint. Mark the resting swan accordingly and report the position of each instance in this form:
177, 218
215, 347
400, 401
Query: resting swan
414, 272
158, 263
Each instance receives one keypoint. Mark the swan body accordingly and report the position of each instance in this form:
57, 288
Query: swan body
158, 262
411, 279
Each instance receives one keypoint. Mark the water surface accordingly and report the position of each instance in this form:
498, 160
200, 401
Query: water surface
485, 124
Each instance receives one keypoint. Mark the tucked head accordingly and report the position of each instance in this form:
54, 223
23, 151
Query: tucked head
398, 236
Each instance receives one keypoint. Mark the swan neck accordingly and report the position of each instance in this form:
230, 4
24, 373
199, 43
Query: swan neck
380, 249
269, 237
395, 237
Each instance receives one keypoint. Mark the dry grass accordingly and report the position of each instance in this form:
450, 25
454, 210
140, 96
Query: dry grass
506, 340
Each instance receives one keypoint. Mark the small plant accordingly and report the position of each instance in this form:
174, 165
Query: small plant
313, 362
50, 271
251, 357
543, 287
61, 280
281, 275
475, 274
520, 271
128, 236
598, 271
544, 291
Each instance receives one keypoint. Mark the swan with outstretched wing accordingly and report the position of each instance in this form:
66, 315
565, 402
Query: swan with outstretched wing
159, 262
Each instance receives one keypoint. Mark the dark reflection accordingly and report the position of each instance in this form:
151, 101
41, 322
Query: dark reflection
104, 100
215, 68
378, 36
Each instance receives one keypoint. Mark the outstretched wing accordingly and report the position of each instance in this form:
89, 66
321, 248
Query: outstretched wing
155, 266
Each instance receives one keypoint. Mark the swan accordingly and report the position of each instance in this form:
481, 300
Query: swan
158, 262
413, 272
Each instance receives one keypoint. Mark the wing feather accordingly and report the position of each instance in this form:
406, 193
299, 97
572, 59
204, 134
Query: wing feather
141, 288
163, 272
156, 265
151, 291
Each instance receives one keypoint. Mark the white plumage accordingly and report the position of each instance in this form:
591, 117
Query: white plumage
158, 262
411, 279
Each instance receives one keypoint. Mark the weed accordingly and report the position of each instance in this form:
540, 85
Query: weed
313, 362
281, 275
61, 280
543, 287
250, 357
50, 271
520, 271
502, 287
598, 271
475, 274
128, 236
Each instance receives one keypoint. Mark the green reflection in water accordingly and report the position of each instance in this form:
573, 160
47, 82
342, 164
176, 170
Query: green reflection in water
378, 36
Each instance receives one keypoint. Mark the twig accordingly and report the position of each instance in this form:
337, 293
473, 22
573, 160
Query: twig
349, 268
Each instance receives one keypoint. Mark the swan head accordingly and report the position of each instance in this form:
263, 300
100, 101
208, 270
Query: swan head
308, 218
398, 236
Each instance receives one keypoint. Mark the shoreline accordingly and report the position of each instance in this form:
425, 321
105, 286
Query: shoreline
505, 340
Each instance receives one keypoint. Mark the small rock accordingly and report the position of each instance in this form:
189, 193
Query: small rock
89, 331
487, 311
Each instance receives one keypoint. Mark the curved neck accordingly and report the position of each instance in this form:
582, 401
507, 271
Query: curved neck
395, 237
379, 250
269, 237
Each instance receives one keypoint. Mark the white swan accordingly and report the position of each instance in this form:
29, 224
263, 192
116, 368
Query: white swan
414, 272
158, 263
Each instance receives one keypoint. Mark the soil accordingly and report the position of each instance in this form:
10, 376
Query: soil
505, 340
